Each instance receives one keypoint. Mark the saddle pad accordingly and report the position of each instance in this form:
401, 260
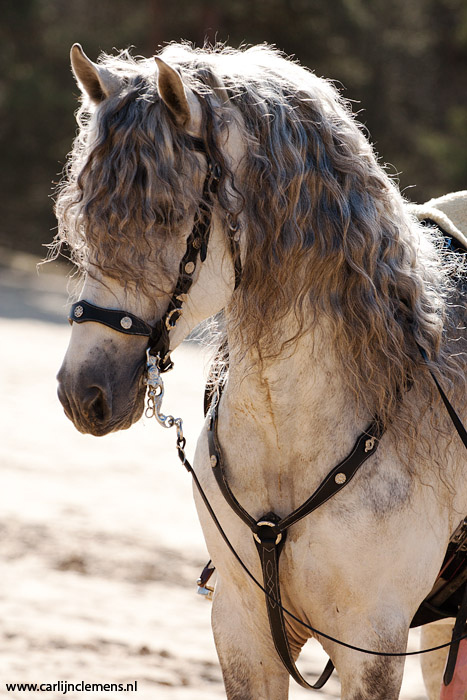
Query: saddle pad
449, 212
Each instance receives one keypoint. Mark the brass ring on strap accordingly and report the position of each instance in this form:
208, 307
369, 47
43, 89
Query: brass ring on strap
168, 325
269, 524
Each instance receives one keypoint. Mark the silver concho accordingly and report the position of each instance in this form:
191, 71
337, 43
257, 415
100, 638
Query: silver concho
340, 478
78, 312
126, 322
213, 460
189, 267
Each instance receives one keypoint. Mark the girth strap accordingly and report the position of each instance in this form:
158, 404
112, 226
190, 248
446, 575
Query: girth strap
458, 630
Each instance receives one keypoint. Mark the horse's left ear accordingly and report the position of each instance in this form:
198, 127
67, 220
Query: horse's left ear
97, 82
172, 92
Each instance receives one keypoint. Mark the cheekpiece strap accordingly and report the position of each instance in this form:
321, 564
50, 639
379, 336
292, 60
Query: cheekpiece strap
460, 627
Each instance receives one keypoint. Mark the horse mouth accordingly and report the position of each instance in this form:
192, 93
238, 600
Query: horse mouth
102, 407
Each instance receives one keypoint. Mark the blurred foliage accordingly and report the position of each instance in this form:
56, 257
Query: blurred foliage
403, 63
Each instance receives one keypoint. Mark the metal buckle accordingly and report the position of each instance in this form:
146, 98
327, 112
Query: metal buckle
267, 523
169, 325
459, 537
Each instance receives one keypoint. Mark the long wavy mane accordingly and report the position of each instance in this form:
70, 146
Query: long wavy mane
326, 232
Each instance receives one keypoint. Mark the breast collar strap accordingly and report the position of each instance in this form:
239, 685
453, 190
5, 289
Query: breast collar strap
197, 243
270, 531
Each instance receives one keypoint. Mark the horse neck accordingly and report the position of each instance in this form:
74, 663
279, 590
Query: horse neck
292, 413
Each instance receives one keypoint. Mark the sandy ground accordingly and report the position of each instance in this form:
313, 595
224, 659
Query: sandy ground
99, 542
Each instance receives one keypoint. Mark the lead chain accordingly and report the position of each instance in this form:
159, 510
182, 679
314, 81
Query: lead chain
153, 381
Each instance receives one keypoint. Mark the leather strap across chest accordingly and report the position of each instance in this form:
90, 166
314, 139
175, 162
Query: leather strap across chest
270, 531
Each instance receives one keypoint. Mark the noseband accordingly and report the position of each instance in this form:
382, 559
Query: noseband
197, 243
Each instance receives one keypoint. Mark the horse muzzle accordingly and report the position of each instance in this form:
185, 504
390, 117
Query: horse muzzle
97, 401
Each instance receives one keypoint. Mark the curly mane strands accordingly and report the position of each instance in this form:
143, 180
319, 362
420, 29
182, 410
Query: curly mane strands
122, 198
325, 230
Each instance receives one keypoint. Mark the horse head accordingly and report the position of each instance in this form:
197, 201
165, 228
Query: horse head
137, 184
328, 246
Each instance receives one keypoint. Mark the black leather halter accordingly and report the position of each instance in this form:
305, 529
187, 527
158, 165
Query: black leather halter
197, 243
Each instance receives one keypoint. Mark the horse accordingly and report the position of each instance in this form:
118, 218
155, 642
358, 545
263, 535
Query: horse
238, 185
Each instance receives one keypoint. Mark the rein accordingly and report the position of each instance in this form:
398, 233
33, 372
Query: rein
269, 531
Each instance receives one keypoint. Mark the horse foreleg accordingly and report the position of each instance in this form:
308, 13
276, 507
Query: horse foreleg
364, 676
371, 679
250, 666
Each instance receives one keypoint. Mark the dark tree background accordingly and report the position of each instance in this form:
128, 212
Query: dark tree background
403, 63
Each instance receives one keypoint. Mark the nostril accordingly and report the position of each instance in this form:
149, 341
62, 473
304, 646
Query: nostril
95, 404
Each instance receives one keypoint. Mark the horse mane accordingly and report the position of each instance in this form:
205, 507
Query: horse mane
326, 234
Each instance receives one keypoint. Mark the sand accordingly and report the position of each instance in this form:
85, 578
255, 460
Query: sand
100, 546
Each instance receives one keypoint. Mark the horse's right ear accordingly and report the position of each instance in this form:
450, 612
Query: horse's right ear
91, 78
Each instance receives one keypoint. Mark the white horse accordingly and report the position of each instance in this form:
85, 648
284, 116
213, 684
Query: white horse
338, 284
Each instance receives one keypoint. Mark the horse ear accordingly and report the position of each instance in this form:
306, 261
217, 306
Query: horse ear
89, 76
172, 92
